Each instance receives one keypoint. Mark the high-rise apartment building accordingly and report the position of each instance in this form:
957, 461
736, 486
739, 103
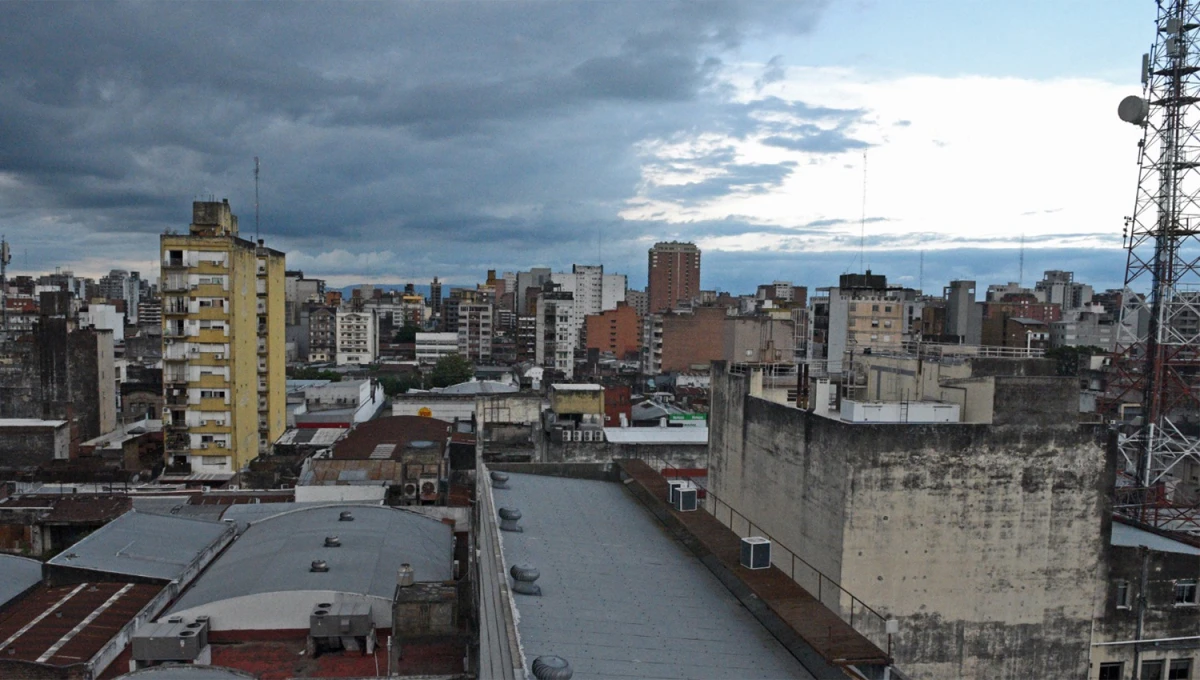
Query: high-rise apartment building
223, 343
357, 336
475, 331
673, 274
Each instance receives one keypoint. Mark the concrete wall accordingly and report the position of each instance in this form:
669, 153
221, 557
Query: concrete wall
1163, 617
984, 541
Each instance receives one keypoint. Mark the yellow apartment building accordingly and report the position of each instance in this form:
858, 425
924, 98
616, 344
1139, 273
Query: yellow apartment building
223, 344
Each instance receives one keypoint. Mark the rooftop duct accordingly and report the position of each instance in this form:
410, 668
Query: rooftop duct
499, 480
346, 516
333, 542
524, 576
509, 518
552, 668
319, 565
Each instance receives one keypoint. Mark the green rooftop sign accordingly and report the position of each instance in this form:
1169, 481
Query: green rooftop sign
686, 417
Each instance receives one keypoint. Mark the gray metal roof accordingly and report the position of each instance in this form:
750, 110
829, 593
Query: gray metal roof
244, 514
143, 544
274, 554
1131, 537
620, 598
17, 574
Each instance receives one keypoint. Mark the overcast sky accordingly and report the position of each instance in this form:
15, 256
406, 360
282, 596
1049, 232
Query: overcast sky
399, 141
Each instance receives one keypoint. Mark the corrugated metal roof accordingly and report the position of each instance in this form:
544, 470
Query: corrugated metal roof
622, 599
17, 574
274, 554
143, 544
66, 625
243, 515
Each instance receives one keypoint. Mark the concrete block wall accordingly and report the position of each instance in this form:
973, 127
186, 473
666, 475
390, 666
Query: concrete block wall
984, 541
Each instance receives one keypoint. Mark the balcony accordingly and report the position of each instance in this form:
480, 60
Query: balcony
177, 331
210, 380
175, 308
210, 359
212, 427
213, 404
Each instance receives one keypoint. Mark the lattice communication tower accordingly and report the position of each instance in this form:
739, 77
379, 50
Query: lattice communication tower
1154, 387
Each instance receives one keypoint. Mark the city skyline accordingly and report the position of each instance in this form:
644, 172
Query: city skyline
578, 133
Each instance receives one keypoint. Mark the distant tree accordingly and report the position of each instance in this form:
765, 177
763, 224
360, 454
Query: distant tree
308, 373
451, 370
1068, 359
407, 334
399, 384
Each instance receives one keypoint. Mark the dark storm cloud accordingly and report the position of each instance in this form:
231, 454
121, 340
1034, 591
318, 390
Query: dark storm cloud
449, 134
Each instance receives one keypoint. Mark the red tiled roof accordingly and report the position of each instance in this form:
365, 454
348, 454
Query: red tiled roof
73, 509
41, 627
398, 430
278, 660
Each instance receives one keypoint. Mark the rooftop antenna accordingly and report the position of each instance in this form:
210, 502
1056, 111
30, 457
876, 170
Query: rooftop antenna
921, 273
5, 258
1021, 269
256, 199
862, 225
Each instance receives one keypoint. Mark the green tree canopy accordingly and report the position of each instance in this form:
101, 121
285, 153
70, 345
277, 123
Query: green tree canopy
451, 370
407, 333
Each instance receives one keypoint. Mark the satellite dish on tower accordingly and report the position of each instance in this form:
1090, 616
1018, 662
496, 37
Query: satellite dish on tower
1133, 110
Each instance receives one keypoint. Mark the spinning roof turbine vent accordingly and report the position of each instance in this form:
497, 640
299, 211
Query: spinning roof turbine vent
346, 516
524, 576
333, 542
319, 566
509, 518
499, 480
552, 668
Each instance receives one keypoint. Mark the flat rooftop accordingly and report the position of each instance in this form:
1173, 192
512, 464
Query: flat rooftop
144, 544
620, 598
657, 435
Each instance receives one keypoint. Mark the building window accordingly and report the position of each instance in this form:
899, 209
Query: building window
1152, 670
1110, 671
1122, 595
1185, 593
1180, 669
874, 308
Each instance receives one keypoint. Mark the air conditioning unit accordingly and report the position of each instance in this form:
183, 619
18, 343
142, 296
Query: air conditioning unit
587, 435
173, 640
756, 552
410, 490
686, 500
169, 341
673, 486
340, 620
204, 446
429, 488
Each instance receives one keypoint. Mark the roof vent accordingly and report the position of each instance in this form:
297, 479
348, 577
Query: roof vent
499, 480
346, 516
319, 565
405, 576
509, 518
552, 668
524, 576
333, 542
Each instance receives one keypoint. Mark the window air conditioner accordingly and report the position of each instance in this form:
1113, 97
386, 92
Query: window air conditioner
756, 552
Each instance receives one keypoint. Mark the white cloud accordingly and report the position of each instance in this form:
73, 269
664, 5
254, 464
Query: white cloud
978, 160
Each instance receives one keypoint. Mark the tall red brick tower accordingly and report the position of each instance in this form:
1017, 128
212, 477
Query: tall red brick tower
673, 275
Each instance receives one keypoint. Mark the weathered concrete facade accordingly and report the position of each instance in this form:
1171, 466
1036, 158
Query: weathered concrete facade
983, 540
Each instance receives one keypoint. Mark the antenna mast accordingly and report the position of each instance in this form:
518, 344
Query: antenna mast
1153, 394
862, 225
5, 258
256, 199
1021, 265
